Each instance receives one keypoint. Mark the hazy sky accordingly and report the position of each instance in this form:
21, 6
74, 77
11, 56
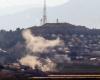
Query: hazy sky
26, 13
11, 6
33, 3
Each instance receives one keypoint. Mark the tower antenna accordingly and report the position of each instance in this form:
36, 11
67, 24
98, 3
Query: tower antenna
44, 13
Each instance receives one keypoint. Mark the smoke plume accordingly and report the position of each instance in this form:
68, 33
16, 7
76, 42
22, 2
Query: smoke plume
32, 61
38, 45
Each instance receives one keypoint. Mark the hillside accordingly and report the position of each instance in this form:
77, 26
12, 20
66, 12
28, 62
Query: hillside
78, 36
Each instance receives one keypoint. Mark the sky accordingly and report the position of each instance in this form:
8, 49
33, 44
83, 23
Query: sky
33, 3
18, 5
26, 13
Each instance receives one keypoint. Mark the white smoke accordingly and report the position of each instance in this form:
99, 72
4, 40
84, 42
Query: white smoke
32, 61
37, 44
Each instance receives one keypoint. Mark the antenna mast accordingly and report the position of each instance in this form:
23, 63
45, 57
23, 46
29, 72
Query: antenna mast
44, 13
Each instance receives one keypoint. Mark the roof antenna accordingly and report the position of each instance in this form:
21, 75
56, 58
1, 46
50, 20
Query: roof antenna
41, 21
57, 21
